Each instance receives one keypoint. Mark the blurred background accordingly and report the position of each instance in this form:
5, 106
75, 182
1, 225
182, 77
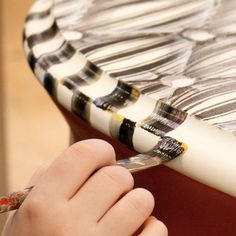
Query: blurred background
32, 130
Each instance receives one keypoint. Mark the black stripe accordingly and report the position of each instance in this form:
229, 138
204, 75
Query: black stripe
77, 80
126, 132
32, 60
218, 110
209, 93
206, 52
166, 23
166, 149
90, 66
157, 128
120, 97
64, 53
171, 113
128, 18
214, 69
202, 83
133, 52
69, 84
43, 36
121, 4
89, 74
50, 84
146, 67
38, 15
206, 108
73, 82
172, 116
88, 49
80, 105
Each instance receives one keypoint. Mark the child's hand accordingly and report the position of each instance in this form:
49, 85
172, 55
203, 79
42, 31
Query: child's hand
69, 199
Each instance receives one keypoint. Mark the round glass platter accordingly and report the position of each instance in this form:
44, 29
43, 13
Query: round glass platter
141, 70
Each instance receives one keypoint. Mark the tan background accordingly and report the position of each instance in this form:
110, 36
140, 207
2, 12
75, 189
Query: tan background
35, 131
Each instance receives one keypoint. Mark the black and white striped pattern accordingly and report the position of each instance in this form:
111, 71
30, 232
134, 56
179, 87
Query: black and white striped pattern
135, 68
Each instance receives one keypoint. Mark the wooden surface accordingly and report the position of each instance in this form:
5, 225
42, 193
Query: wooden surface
2, 131
35, 132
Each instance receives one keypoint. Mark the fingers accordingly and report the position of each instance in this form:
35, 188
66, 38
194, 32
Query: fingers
154, 227
101, 192
71, 169
38, 174
85, 202
36, 177
128, 214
